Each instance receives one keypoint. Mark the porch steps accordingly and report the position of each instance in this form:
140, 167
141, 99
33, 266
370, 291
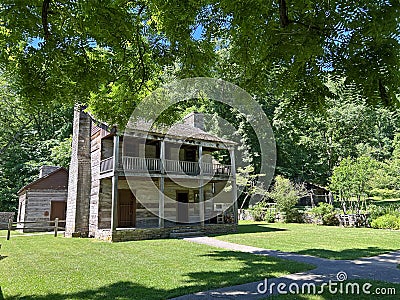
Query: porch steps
185, 232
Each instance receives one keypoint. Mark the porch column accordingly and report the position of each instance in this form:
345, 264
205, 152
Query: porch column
233, 182
161, 202
201, 188
114, 189
161, 182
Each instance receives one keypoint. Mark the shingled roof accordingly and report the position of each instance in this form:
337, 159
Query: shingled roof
177, 130
180, 130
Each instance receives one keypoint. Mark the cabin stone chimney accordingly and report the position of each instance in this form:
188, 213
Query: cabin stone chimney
195, 119
79, 185
46, 170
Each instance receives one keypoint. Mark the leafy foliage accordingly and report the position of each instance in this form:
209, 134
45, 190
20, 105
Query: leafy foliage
326, 213
285, 193
27, 139
388, 221
113, 53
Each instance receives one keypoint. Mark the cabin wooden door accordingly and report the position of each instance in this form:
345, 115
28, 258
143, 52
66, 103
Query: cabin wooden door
58, 210
126, 209
182, 199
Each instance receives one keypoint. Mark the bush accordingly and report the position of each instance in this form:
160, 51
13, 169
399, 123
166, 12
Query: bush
385, 193
376, 211
286, 194
294, 216
257, 212
269, 216
326, 213
388, 221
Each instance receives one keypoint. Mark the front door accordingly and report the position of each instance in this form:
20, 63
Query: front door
182, 211
58, 210
126, 209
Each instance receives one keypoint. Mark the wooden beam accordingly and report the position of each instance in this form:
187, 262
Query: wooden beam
201, 188
233, 182
114, 188
161, 201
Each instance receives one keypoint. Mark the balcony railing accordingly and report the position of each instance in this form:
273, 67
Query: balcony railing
107, 165
141, 164
153, 165
182, 167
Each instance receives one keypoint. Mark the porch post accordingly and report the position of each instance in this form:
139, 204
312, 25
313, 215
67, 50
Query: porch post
233, 182
161, 197
114, 189
201, 188
161, 202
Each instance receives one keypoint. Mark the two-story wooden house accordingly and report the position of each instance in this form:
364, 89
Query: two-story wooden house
142, 184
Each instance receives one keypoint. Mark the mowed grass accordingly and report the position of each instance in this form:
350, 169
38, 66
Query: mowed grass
324, 241
45, 267
378, 289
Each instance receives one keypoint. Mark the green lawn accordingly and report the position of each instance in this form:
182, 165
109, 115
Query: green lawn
378, 289
48, 268
323, 241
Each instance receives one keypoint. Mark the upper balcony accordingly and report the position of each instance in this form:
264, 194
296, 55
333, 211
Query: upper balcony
139, 165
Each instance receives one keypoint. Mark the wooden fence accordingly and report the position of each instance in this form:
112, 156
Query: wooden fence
53, 225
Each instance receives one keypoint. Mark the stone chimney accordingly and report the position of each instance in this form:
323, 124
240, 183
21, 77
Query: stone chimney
194, 119
79, 185
46, 170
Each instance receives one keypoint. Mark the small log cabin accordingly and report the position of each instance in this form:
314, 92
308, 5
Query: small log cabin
43, 200
143, 185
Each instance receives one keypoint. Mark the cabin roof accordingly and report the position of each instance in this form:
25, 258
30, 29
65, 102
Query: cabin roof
177, 130
57, 180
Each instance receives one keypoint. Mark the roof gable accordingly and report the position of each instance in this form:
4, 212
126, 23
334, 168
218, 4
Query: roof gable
56, 180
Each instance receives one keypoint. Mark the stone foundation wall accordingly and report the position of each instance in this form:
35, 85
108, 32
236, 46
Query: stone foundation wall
163, 233
4, 217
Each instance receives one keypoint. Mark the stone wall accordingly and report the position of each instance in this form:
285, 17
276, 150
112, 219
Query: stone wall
163, 233
4, 217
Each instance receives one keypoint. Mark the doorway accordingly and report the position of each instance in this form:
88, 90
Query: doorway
126, 209
182, 210
58, 210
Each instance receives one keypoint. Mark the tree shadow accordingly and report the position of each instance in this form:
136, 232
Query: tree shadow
2, 257
252, 268
254, 228
119, 290
346, 254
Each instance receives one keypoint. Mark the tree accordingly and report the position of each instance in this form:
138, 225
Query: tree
285, 193
111, 53
27, 137
353, 179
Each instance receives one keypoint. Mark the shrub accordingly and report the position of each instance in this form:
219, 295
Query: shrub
388, 221
260, 212
326, 213
257, 211
294, 216
385, 193
286, 194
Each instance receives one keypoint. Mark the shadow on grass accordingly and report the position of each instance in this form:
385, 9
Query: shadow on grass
254, 269
250, 268
2, 257
345, 254
254, 228
118, 290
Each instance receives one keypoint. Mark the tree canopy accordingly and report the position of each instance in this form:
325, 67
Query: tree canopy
112, 53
